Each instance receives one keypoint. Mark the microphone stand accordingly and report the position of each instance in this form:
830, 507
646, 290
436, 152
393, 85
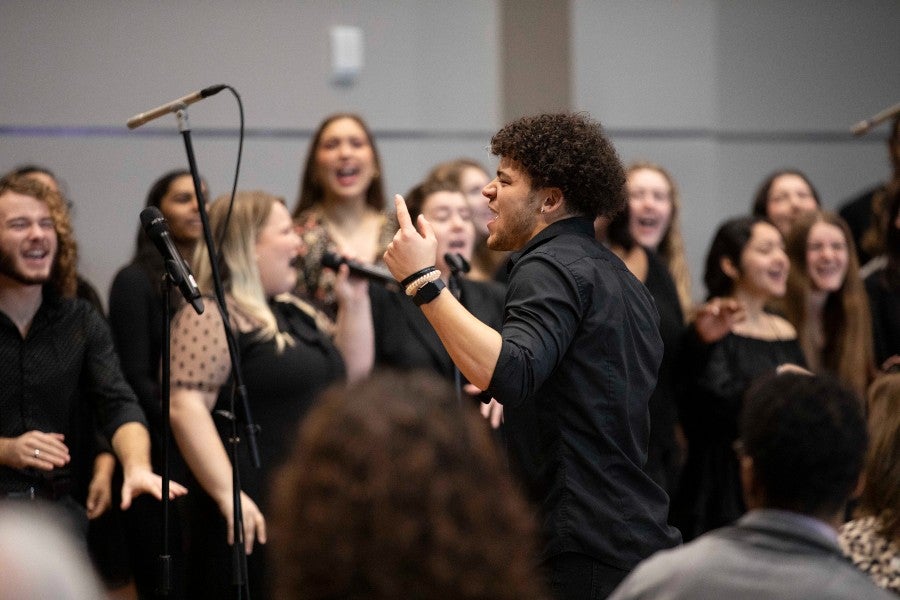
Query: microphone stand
239, 558
457, 265
164, 582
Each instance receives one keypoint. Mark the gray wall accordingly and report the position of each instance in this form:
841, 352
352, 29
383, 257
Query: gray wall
724, 92
721, 92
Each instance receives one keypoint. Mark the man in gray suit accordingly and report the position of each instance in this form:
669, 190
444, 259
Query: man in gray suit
803, 440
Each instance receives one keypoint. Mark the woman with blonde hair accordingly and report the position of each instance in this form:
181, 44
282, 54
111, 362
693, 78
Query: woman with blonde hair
654, 206
286, 359
826, 300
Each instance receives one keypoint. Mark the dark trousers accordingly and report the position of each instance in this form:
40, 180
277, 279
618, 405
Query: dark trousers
574, 576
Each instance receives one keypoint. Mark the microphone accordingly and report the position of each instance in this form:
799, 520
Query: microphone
333, 260
456, 262
154, 224
174, 105
864, 126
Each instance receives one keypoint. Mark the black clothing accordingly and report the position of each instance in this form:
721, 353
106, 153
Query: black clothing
885, 307
281, 387
578, 362
717, 376
85, 290
136, 319
664, 458
571, 575
858, 214
404, 339
60, 376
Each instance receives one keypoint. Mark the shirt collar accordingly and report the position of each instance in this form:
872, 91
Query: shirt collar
576, 224
801, 521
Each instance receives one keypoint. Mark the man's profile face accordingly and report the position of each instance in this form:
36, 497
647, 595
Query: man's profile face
28, 239
515, 206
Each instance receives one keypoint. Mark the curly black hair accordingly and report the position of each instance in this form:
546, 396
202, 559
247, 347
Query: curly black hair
395, 490
807, 438
568, 151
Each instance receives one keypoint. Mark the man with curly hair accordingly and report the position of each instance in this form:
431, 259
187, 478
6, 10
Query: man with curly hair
57, 364
578, 354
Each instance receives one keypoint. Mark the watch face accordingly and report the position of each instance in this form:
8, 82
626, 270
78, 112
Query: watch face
428, 292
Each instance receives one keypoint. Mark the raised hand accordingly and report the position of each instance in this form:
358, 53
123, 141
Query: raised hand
412, 249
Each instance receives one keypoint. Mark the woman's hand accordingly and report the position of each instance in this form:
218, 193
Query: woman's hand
492, 411
254, 522
99, 497
715, 319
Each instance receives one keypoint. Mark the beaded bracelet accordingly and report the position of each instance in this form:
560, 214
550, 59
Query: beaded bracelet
408, 280
428, 277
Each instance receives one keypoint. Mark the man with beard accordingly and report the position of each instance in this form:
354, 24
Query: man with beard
57, 364
578, 354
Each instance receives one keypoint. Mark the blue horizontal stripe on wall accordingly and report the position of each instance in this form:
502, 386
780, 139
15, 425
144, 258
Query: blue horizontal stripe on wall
697, 134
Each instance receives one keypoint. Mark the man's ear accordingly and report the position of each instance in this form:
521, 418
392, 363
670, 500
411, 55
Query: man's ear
551, 200
728, 268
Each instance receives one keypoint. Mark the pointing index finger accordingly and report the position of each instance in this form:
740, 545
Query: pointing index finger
403, 218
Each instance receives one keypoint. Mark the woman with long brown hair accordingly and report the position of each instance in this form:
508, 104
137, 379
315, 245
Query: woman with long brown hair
826, 300
340, 207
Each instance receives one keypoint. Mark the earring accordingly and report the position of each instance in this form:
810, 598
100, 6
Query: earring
542, 210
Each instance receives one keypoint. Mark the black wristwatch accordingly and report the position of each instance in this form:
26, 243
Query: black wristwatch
428, 292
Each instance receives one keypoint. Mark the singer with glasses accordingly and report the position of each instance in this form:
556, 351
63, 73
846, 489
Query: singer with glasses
287, 357
403, 337
136, 320
341, 206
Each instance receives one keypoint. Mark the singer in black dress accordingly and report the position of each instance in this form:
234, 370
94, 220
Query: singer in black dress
136, 321
286, 357
746, 268
403, 337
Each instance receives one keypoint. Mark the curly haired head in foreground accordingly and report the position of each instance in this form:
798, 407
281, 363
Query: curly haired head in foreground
394, 490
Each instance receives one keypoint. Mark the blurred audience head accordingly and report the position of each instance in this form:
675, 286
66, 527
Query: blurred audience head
394, 490
881, 489
38, 558
802, 444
